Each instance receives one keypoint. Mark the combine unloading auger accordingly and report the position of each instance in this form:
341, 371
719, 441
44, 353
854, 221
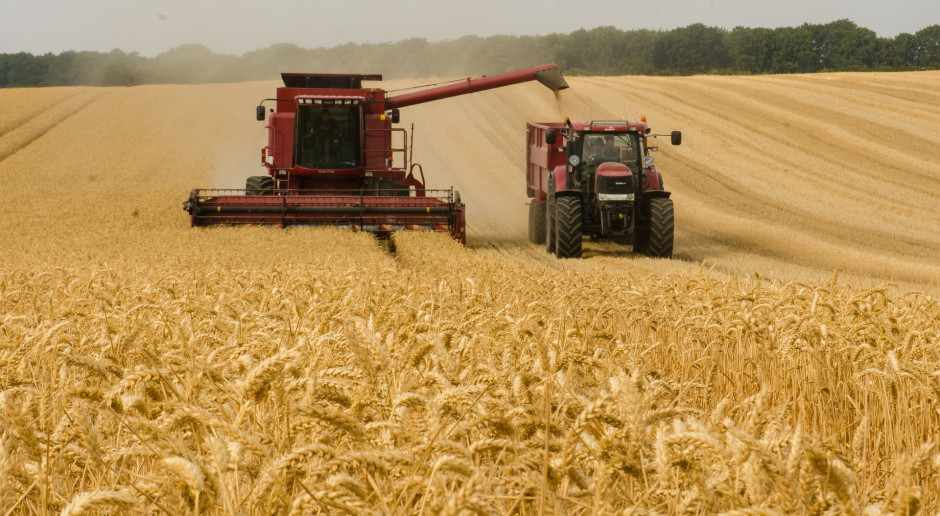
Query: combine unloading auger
334, 158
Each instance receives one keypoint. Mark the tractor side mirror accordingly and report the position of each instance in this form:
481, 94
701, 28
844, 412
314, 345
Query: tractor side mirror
677, 137
551, 137
396, 115
259, 113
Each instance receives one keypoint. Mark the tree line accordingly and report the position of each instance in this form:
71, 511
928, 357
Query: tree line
696, 49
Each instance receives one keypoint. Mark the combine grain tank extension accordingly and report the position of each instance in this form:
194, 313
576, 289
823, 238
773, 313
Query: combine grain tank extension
333, 157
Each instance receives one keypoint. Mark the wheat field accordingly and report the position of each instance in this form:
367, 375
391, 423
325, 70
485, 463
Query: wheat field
787, 361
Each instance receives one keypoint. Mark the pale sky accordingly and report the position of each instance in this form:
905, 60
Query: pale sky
238, 26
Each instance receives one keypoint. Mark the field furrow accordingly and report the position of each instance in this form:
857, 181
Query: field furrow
23, 132
22, 105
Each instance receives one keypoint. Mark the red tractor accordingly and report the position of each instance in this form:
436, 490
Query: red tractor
596, 179
333, 158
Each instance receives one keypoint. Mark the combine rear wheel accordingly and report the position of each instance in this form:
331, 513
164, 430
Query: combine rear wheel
568, 227
662, 228
536, 222
259, 185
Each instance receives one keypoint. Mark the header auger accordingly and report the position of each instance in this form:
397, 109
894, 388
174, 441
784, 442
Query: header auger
333, 157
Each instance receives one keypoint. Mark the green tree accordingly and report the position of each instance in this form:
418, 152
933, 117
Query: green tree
839, 45
898, 53
928, 47
752, 50
692, 49
842, 45
25, 70
793, 50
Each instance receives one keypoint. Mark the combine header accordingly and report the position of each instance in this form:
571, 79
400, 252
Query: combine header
333, 158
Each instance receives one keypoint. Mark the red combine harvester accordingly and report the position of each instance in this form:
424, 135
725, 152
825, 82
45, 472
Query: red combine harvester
597, 179
333, 158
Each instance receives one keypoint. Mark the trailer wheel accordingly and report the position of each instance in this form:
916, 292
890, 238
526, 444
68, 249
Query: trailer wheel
568, 227
550, 225
662, 228
536, 222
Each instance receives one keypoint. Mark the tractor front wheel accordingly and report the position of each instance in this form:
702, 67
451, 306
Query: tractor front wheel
568, 234
662, 228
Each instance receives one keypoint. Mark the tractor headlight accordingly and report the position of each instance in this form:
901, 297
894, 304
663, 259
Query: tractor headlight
649, 161
608, 197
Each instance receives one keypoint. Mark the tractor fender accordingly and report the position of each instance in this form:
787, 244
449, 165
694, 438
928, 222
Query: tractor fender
653, 194
652, 180
557, 184
559, 179
567, 193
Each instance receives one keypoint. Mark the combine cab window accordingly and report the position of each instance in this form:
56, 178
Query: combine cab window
328, 137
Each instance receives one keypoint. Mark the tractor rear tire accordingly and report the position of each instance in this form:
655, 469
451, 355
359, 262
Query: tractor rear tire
550, 225
536, 222
662, 228
568, 234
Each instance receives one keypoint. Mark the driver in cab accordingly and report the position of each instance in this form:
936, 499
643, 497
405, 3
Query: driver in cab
323, 137
602, 150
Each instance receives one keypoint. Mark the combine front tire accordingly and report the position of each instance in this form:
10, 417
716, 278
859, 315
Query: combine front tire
259, 185
536, 222
662, 228
568, 227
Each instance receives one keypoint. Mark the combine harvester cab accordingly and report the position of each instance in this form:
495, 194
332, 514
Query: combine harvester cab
597, 179
334, 158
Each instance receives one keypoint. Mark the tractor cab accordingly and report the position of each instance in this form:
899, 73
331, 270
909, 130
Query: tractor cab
328, 133
604, 161
611, 147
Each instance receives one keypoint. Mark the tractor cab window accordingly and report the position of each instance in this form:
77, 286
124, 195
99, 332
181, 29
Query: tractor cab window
621, 147
328, 136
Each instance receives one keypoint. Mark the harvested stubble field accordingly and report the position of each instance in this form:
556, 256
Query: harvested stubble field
149, 367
